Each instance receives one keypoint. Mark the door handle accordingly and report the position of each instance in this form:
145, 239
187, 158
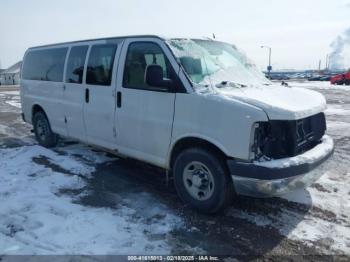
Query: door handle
87, 95
119, 99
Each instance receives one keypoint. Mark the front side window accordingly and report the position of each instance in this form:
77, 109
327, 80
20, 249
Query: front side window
139, 56
45, 65
100, 65
75, 66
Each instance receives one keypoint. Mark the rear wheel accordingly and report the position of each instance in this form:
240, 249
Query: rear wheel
42, 130
202, 181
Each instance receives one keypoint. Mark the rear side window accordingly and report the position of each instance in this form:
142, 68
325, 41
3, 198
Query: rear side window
45, 65
100, 65
75, 66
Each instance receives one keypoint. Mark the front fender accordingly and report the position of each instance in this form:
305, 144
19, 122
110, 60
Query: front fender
226, 123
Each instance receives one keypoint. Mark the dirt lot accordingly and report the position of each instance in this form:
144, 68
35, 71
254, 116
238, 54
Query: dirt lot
78, 200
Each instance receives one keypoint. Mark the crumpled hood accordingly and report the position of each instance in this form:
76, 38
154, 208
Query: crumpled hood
279, 102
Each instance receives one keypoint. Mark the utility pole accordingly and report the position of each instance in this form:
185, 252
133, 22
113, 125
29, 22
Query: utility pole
319, 65
269, 67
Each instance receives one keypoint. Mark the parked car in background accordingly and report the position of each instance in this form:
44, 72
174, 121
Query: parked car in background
278, 77
199, 109
341, 79
315, 78
326, 78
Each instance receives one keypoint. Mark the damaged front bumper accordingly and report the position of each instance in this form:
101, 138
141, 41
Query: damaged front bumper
277, 177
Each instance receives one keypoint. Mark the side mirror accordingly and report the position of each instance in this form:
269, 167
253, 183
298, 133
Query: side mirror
154, 77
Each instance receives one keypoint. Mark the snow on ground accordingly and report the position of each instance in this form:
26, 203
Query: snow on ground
15, 103
338, 127
337, 110
4, 129
35, 218
318, 85
10, 92
331, 196
327, 222
13, 98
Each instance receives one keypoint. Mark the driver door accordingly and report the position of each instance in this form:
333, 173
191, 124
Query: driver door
144, 115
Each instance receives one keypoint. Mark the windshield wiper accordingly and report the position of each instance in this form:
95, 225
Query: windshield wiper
229, 83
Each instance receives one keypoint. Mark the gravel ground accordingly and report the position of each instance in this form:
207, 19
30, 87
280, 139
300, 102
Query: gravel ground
75, 199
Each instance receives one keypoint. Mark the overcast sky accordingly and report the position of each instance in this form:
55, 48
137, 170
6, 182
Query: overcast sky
299, 31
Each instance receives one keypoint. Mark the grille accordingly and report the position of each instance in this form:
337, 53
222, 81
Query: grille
309, 132
280, 138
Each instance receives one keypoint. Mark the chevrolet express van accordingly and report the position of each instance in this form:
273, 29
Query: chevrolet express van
197, 108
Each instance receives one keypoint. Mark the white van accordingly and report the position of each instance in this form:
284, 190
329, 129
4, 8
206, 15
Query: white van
197, 108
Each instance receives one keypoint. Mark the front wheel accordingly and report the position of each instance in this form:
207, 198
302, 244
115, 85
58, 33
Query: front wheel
202, 181
42, 130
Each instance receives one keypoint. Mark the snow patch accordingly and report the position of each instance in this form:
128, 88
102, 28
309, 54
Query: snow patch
5, 130
337, 110
14, 103
318, 85
35, 218
14, 92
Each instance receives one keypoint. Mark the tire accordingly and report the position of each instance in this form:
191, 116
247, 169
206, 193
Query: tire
202, 180
42, 130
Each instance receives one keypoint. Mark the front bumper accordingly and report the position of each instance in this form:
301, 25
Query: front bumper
277, 177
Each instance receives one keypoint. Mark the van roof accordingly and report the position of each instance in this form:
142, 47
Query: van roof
96, 39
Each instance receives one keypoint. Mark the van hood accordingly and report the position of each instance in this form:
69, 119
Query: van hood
279, 102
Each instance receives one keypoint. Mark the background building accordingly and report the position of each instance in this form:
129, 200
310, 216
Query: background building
11, 75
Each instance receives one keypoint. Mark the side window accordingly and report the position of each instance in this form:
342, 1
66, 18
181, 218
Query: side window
75, 66
139, 56
45, 65
100, 65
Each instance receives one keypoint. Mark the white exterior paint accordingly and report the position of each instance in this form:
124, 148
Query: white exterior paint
280, 102
74, 97
144, 121
149, 124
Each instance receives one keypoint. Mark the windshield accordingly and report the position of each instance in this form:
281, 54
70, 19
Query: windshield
216, 63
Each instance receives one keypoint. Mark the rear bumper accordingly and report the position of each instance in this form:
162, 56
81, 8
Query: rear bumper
277, 177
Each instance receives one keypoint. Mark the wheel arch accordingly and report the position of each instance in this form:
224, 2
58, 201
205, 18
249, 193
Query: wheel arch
194, 141
37, 108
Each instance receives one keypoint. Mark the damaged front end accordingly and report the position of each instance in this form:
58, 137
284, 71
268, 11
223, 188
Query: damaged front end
287, 138
286, 155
